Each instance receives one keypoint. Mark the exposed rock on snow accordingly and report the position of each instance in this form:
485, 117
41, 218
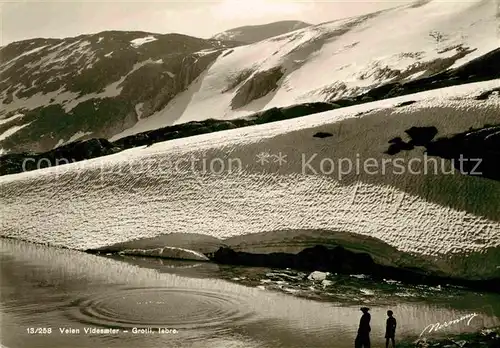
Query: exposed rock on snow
478, 146
322, 135
168, 253
143, 40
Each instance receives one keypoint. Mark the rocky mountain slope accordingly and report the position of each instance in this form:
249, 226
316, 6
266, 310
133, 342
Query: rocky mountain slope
116, 84
54, 91
254, 33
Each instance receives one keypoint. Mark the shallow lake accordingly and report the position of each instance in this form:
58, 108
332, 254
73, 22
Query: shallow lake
197, 304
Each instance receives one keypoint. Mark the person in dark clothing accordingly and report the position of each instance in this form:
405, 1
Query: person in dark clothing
390, 330
363, 337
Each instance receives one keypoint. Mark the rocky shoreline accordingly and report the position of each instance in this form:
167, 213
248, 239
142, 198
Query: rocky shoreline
331, 261
354, 289
339, 260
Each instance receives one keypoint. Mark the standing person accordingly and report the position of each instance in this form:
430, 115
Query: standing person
363, 337
390, 330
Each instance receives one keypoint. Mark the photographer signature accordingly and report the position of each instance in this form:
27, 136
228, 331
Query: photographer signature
438, 326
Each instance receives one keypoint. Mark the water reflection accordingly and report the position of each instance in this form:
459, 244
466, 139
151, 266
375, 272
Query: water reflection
48, 287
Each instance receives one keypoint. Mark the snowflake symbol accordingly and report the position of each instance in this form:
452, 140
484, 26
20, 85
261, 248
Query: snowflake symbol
280, 158
262, 158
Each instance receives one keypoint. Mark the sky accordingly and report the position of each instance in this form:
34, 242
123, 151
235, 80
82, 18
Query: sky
27, 19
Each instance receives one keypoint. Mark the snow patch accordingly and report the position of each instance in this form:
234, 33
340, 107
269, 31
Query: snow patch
59, 143
141, 41
107, 55
6, 120
11, 131
206, 52
78, 135
83, 44
138, 110
359, 276
167, 252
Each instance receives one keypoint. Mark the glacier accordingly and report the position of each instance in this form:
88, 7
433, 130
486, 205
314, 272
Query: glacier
337, 59
451, 222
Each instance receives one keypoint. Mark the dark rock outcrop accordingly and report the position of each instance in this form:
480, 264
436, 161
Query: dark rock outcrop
73, 152
488, 94
398, 145
256, 86
421, 136
475, 152
212, 125
320, 258
322, 135
486, 67
406, 103
253, 33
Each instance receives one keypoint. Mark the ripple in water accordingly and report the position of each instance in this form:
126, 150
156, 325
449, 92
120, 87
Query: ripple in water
174, 308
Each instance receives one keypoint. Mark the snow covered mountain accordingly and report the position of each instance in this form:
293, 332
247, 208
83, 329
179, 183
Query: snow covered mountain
115, 84
54, 91
254, 33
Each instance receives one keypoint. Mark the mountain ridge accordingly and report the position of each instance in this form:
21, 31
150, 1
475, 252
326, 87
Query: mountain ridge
250, 34
55, 91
